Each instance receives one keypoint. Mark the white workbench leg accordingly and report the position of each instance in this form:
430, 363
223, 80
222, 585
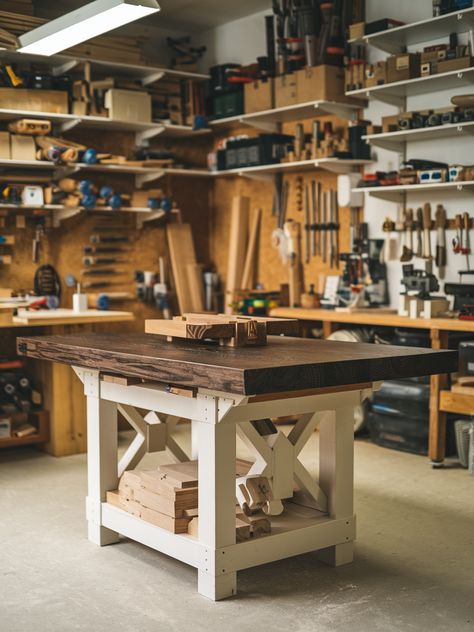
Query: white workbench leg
102, 465
336, 476
216, 507
194, 439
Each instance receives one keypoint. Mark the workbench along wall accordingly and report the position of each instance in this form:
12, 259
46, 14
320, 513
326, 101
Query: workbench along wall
455, 150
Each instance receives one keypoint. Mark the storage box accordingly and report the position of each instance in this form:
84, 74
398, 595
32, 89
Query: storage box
53, 101
5, 427
390, 123
22, 147
5, 149
319, 83
258, 96
286, 90
458, 63
128, 105
403, 67
357, 31
375, 74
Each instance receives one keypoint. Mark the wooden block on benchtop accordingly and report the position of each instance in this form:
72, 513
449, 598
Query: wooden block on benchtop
175, 525
188, 330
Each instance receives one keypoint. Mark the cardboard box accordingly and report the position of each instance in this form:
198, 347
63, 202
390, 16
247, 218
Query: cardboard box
357, 31
258, 96
375, 74
403, 67
455, 64
53, 101
5, 149
22, 147
128, 105
390, 123
286, 90
319, 83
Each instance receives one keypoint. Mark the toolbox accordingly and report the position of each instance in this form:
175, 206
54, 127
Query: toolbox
228, 104
265, 149
258, 96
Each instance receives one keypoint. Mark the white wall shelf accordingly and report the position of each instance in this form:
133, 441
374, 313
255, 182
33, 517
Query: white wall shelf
60, 64
396, 141
269, 119
396, 193
395, 93
335, 165
398, 39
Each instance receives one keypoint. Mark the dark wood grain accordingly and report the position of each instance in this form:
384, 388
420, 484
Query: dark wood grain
285, 364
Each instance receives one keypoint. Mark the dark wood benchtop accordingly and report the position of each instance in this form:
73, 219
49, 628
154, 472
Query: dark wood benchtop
285, 364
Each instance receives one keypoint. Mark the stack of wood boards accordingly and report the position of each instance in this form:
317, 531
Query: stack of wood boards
168, 498
119, 49
187, 273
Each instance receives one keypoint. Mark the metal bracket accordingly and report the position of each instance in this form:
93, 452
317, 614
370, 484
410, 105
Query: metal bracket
143, 218
91, 384
143, 178
68, 125
64, 68
65, 213
142, 137
152, 77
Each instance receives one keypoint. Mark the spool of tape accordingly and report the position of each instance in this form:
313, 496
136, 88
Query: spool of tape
345, 196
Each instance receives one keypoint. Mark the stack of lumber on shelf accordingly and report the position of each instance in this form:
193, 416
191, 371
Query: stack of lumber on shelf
168, 498
119, 49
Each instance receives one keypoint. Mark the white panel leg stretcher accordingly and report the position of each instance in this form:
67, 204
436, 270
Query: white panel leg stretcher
319, 515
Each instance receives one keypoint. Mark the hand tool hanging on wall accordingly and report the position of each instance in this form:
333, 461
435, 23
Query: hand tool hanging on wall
293, 234
92, 261
101, 272
299, 141
103, 239
39, 234
270, 38
427, 231
314, 217
407, 253
466, 246
458, 240
324, 223
440, 222
299, 193
307, 226
419, 232
336, 229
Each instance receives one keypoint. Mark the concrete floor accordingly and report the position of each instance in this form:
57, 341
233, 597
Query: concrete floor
414, 567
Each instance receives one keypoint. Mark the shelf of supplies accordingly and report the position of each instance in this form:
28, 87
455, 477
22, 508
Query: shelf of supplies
269, 119
42, 436
396, 40
61, 64
395, 193
396, 141
395, 93
335, 165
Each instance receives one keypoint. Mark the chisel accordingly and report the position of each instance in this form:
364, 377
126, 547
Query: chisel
101, 272
92, 261
466, 250
426, 231
440, 239
99, 284
97, 250
307, 226
314, 220
100, 239
419, 227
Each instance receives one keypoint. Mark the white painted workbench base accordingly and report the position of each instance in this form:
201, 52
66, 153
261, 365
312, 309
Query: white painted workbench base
326, 523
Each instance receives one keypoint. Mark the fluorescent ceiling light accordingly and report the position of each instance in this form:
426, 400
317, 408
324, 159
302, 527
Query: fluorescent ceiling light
83, 24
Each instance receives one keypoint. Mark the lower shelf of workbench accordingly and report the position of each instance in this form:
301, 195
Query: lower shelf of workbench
298, 530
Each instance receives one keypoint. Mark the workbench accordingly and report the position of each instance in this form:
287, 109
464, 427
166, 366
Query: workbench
221, 390
67, 414
441, 400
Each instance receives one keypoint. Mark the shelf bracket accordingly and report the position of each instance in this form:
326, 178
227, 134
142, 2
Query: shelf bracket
152, 77
396, 197
143, 137
64, 68
270, 128
143, 178
68, 125
339, 110
335, 167
143, 218
65, 213
389, 98
389, 145
263, 177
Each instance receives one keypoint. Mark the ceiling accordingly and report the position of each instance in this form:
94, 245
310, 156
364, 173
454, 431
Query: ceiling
190, 16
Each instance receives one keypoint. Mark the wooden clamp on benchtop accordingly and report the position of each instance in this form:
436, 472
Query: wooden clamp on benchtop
232, 331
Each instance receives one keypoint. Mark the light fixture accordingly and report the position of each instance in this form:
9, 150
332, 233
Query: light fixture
83, 24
